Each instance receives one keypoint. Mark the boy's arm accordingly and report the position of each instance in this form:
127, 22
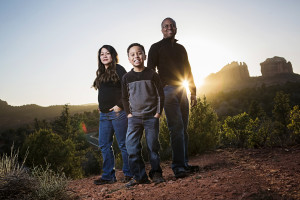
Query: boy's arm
160, 93
152, 60
125, 96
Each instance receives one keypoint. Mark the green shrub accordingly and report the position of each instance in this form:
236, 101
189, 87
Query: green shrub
203, 128
164, 139
234, 133
294, 125
47, 147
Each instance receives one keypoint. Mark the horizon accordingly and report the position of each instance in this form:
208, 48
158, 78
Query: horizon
48, 49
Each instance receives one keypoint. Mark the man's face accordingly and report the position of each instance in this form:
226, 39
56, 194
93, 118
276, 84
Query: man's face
169, 29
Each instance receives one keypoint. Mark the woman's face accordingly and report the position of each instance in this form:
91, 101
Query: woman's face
105, 57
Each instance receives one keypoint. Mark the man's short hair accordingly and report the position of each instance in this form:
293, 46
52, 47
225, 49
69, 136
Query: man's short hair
169, 19
136, 44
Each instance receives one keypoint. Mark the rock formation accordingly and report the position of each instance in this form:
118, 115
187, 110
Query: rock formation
235, 76
228, 75
274, 66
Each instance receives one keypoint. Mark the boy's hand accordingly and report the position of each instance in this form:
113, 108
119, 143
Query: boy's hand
193, 100
129, 115
115, 109
157, 115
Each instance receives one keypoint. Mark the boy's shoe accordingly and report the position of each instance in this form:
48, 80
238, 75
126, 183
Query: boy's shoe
192, 168
127, 179
157, 178
181, 174
134, 182
101, 181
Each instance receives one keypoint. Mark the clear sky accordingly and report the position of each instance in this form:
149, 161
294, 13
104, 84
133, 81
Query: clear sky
48, 49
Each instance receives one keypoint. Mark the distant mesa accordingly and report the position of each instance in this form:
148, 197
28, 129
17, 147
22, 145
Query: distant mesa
235, 76
227, 77
275, 65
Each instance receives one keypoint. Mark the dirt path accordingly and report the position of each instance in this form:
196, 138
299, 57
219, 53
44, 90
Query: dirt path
225, 174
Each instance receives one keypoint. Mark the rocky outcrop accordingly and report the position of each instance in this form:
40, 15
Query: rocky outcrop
229, 75
276, 65
235, 76
231, 72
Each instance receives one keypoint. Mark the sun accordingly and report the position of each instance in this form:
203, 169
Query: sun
185, 84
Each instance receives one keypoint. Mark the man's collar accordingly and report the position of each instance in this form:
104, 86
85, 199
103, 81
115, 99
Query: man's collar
169, 40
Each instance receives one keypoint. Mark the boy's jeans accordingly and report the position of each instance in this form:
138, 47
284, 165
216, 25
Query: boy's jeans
110, 123
177, 112
136, 126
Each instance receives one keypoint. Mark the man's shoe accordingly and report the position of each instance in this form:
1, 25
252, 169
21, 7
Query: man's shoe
101, 181
157, 178
181, 174
192, 168
127, 179
134, 182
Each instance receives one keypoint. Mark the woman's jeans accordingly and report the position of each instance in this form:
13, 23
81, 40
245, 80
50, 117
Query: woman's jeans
136, 127
177, 112
110, 123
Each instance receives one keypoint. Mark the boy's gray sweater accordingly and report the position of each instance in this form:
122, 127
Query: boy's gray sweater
142, 93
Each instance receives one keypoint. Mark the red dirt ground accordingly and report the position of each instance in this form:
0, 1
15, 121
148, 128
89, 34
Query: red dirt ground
225, 174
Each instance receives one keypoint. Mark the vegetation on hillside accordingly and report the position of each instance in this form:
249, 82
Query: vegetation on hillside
250, 118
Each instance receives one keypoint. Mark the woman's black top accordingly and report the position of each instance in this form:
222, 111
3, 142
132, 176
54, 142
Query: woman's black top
110, 93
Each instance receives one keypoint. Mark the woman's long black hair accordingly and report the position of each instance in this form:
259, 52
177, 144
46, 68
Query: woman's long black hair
109, 74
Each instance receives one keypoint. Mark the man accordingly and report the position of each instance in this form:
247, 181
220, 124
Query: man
171, 61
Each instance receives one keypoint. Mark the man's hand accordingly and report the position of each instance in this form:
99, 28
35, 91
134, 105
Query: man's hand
129, 115
193, 100
157, 115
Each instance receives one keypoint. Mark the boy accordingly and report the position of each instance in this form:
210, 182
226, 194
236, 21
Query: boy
143, 99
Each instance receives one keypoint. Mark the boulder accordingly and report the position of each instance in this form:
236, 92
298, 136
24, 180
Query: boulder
276, 65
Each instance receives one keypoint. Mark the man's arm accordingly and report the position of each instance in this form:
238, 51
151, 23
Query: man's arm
191, 82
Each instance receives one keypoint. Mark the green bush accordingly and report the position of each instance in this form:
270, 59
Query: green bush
164, 139
260, 133
203, 128
47, 147
294, 124
234, 132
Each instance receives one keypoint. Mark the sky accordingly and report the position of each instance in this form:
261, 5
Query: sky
48, 49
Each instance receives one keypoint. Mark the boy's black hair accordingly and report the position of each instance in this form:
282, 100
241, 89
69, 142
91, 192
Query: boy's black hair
136, 44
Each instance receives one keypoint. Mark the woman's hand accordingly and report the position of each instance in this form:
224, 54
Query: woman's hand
129, 115
157, 115
115, 109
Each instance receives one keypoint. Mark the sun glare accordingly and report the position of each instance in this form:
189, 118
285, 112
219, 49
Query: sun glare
185, 84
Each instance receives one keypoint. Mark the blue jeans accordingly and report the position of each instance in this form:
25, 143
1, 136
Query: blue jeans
136, 126
177, 112
110, 123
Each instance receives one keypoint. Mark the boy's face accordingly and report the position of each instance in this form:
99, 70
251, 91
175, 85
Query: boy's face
136, 56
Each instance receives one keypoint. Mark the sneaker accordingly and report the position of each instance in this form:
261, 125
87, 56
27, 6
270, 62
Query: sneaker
101, 181
181, 174
192, 168
157, 178
127, 179
134, 182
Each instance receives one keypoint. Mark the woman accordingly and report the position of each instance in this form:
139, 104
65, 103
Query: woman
113, 119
